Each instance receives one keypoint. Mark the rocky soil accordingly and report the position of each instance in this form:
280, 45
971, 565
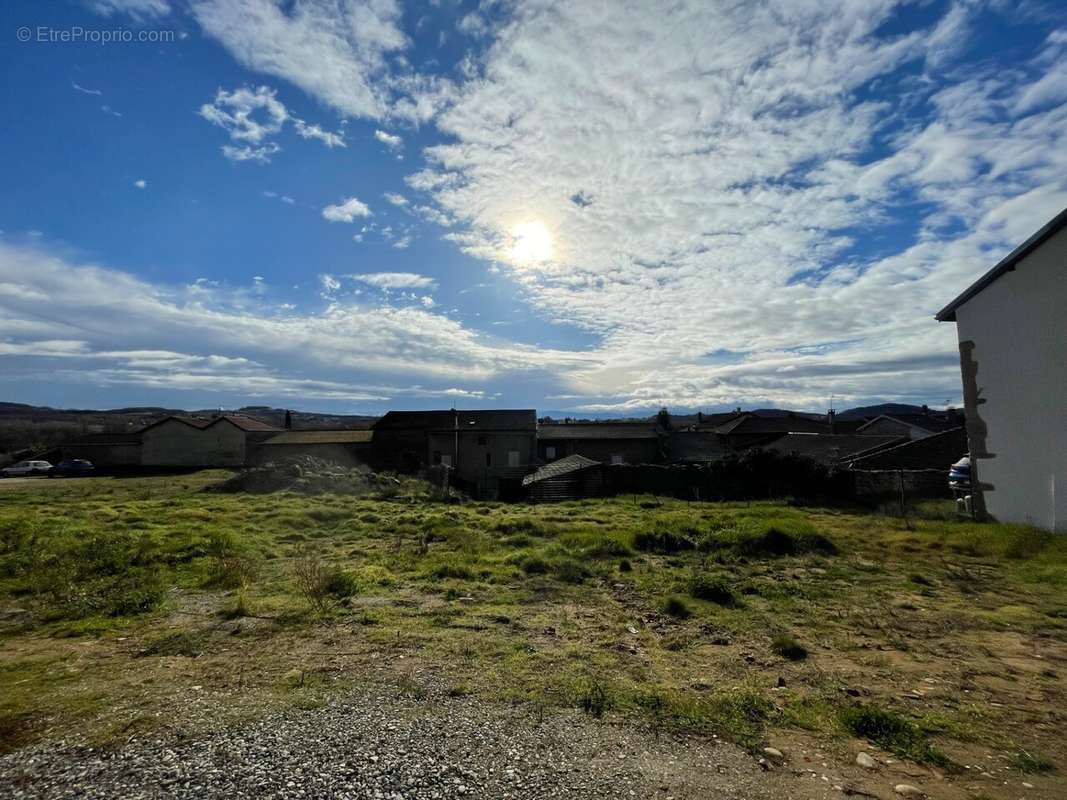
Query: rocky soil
379, 745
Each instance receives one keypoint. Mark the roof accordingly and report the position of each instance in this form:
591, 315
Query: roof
247, 424
1007, 264
939, 451
491, 419
927, 422
756, 423
830, 447
697, 446
599, 430
104, 438
321, 437
563, 466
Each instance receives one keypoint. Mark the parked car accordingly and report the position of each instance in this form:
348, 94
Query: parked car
24, 468
73, 468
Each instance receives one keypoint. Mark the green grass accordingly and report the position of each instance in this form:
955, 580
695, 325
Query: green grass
656, 609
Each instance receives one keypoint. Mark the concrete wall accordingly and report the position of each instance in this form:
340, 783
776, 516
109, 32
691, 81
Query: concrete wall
632, 451
471, 466
1013, 349
175, 444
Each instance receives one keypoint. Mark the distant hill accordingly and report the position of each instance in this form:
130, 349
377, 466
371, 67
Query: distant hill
869, 412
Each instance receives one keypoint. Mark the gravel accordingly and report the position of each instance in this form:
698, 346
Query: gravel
379, 745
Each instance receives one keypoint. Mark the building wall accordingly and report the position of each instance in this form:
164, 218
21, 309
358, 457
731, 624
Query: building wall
1013, 351
175, 444
471, 468
105, 455
632, 451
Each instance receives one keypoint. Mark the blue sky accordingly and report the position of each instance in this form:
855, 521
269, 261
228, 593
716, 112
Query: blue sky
589, 208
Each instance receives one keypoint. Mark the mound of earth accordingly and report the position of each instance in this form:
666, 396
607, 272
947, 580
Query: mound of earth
310, 475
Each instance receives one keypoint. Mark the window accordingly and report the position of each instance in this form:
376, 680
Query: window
550, 452
488, 459
513, 458
481, 440
437, 456
616, 458
446, 459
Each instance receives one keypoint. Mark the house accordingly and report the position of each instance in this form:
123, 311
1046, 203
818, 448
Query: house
829, 448
105, 450
222, 441
566, 478
1012, 329
341, 446
749, 429
912, 426
607, 442
488, 451
938, 452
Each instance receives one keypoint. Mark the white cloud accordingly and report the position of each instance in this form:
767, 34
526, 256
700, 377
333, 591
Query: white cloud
391, 141
346, 211
141, 183
333, 49
236, 111
282, 197
396, 199
83, 90
138, 9
473, 24
760, 204
315, 132
395, 280
254, 116
260, 155
57, 320
403, 243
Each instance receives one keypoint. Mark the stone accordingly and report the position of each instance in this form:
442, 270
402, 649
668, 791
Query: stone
865, 761
773, 752
907, 790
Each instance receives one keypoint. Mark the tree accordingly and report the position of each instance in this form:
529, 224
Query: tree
663, 418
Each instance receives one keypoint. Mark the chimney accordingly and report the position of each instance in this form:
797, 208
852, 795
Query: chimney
831, 415
288, 420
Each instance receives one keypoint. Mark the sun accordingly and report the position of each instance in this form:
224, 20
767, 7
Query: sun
532, 243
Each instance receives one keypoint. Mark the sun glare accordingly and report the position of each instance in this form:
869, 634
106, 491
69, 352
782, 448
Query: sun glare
532, 243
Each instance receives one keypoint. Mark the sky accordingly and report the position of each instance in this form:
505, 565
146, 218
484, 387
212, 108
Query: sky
593, 208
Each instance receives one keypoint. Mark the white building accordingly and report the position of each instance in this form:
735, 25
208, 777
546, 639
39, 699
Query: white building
1012, 326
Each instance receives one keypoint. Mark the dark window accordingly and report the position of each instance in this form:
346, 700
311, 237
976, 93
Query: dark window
481, 440
437, 456
488, 459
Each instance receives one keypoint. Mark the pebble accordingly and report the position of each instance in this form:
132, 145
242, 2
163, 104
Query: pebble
907, 790
774, 752
865, 761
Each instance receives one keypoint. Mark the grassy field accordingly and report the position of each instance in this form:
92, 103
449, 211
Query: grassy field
942, 643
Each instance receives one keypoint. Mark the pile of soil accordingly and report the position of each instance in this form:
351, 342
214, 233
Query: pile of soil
310, 475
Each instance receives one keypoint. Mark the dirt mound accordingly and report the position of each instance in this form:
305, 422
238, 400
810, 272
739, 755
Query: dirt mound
310, 475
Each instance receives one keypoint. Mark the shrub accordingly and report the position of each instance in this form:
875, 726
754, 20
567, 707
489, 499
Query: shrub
787, 647
569, 571
534, 565
772, 541
321, 585
662, 541
593, 697
625, 565
452, 570
677, 607
1032, 762
712, 588
893, 733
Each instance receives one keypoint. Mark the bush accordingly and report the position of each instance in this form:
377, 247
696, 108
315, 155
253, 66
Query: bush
321, 585
569, 571
771, 541
534, 565
893, 733
451, 570
712, 588
662, 541
788, 647
625, 565
677, 607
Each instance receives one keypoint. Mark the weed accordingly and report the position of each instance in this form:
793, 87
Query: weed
534, 565
893, 733
625, 565
787, 647
321, 585
569, 570
662, 541
593, 697
1032, 762
676, 607
712, 588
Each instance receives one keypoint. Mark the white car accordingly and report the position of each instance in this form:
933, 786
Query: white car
24, 468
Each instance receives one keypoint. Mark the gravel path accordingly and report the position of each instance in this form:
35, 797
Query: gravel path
377, 745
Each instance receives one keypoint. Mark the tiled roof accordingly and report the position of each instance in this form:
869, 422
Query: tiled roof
489, 420
563, 466
828, 448
247, 423
599, 430
927, 422
756, 423
939, 451
321, 437
697, 446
